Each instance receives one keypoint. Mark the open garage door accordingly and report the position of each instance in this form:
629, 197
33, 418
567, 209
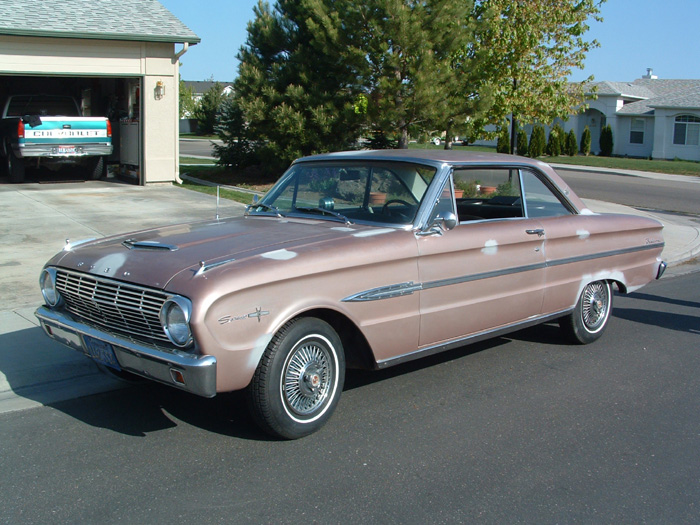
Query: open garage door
117, 98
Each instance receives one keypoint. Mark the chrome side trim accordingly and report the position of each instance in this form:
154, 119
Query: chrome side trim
480, 276
384, 292
612, 253
475, 338
398, 290
198, 371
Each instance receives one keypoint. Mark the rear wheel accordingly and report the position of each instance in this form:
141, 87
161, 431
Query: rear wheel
590, 317
298, 382
15, 166
96, 168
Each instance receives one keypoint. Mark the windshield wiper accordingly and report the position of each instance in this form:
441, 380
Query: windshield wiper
273, 209
329, 212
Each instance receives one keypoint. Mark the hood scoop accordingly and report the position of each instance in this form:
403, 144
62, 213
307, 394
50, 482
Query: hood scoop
133, 244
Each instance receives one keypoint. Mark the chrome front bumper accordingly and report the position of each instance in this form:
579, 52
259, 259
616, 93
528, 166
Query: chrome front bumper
195, 374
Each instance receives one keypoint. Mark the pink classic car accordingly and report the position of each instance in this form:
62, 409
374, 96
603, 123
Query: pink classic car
360, 259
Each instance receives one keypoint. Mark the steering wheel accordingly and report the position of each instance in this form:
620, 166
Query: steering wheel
394, 201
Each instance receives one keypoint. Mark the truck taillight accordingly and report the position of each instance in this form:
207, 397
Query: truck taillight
109, 128
20, 129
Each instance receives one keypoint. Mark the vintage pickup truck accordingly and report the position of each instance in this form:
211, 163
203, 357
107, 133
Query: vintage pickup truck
49, 131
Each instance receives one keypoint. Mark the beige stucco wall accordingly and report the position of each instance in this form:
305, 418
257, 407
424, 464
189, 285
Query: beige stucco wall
152, 62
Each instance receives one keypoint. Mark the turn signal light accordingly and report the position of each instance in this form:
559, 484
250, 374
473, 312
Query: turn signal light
109, 128
20, 130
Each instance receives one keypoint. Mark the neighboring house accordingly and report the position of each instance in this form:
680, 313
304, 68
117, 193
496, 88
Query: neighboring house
650, 117
200, 87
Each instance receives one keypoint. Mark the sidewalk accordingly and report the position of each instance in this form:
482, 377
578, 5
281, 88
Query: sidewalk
35, 370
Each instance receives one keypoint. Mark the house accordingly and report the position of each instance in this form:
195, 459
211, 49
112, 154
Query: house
650, 117
118, 59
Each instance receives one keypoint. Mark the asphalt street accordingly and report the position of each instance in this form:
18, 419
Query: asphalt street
523, 429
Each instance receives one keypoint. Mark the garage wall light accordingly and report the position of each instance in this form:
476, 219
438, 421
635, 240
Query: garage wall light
159, 91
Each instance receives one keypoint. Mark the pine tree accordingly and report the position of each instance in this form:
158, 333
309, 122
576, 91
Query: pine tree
586, 141
571, 143
208, 108
503, 143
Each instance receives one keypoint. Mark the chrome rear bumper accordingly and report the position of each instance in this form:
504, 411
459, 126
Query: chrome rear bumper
192, 373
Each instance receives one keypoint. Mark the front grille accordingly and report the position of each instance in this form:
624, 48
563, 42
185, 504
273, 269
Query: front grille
122, 308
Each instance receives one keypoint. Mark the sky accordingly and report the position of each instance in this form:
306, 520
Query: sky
635, 35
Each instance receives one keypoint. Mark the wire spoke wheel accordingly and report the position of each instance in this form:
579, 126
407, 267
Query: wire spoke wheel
589, 318
307, 378
594, 307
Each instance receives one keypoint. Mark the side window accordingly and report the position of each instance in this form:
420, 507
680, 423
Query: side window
540, 201
487, 193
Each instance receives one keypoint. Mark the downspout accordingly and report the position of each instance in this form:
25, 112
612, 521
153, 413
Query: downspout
176, 59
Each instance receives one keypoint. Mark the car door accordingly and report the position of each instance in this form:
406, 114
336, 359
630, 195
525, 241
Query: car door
487, 272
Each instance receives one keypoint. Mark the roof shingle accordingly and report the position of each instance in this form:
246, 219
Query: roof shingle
140, 20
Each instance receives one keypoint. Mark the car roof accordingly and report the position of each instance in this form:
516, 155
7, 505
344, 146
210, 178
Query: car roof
425, 156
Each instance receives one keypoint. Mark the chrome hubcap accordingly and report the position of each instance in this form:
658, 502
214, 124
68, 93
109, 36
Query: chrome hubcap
595, 305
307, 378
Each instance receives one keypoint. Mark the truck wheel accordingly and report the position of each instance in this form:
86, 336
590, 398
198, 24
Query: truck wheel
298, 382
15, 166
97, 168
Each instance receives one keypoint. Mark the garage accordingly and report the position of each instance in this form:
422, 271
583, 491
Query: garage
116, 60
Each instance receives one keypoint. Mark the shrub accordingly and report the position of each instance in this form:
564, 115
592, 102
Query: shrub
606, 141
503, 144
553, 144
537, 142
571, 144
586, 141
521, 141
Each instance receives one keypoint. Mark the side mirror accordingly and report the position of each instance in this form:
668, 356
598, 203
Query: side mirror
441, 223
446, 221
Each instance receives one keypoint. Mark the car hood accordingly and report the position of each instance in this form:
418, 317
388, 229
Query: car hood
153, 257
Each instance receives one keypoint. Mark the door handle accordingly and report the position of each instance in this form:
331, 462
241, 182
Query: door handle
539, 232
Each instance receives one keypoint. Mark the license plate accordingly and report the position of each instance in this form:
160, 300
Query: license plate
65, 150
101, 352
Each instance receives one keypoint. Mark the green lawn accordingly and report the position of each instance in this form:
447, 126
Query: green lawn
675, 167
193, 160
238, 196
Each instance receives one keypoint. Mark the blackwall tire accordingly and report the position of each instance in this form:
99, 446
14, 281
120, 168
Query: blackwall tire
15, 167
97, 168
590, 317
299, 379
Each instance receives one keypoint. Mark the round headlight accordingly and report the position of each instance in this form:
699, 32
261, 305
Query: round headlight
47, 282
175, 318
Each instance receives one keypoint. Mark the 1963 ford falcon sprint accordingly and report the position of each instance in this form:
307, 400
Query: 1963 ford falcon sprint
359, 259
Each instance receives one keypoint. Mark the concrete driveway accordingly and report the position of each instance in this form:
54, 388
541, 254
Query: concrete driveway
36, 220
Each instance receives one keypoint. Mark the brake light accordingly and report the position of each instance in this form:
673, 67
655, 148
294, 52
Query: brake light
109, 128
20, 130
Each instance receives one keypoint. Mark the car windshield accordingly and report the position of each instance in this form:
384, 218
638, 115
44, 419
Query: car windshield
351, 192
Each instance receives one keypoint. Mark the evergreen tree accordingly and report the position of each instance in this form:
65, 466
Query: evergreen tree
296, 86
586, 141
606, 141
571, 143
237, 150
522, 142
503, 143
537, 142
208, 108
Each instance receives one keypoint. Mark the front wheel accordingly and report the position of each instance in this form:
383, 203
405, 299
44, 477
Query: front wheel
590, 316
298, 382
